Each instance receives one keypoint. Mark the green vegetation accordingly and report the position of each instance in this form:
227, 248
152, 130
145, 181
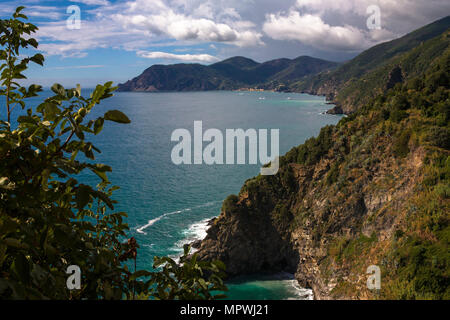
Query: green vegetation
230, 74
417, 262
313, 149
230, 203
346, 248
48, 219
372, 72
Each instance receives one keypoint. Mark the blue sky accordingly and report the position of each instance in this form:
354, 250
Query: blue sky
118, 39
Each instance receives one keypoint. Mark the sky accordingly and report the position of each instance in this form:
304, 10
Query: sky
94, 41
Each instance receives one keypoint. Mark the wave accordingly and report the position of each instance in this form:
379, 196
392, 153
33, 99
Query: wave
301, 293
196, 231
165, 215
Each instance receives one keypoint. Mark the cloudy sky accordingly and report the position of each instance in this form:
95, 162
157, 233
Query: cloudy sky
118, 39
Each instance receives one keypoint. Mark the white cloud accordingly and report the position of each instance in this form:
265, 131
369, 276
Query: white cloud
179, 57
33, 11
162, 20
398, 16
311, 30
77, 67
140, 24
321, 6
341, 24
334, 25
76, 43
92, 2
329, 25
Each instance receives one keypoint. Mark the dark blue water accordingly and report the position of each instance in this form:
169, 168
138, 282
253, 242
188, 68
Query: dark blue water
169, 205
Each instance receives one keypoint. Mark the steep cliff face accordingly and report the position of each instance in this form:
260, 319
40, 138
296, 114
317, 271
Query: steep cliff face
372, 190
291, 221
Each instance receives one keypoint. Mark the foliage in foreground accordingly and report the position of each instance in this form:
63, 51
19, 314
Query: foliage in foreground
48, 219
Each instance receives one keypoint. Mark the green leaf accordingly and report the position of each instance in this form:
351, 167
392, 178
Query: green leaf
2, 253
51, 110
79, 133
103, 167
101, 174
116, 116
6, 184
11, 242
33, 42
219, 264
104, 197
59, 89
38, 59
98, 125
33, 90
83, 196
139, 274
21, 267
18, 10
202, 282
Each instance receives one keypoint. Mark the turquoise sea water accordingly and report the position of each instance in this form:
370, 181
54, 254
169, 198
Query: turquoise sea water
169, 205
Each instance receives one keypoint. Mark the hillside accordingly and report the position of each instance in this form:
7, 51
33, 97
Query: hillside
229, 74
355, 82
372, 190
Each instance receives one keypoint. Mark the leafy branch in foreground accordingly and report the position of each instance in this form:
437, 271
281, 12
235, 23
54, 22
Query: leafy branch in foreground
48, 219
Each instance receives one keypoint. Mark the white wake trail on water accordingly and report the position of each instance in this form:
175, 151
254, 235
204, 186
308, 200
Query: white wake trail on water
165, 215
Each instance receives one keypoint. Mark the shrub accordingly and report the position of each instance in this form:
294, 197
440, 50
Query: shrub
439, 137
400, 146
400, 102
333, 174
48, 219
315, 148
230, 204
398, 115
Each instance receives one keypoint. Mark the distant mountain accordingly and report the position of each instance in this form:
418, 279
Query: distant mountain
370, 73
229, 74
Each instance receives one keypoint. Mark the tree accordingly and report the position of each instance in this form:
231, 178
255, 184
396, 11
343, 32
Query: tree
48, 219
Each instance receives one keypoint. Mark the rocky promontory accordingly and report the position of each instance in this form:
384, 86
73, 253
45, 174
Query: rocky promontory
370, 191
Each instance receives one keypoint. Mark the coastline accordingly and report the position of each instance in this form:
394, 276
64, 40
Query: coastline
315, 107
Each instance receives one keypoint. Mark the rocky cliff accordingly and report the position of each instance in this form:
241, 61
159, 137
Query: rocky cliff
373, 190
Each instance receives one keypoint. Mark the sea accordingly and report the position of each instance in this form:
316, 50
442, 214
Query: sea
170, 205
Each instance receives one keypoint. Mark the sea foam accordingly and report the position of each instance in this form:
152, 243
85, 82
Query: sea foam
165, 215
